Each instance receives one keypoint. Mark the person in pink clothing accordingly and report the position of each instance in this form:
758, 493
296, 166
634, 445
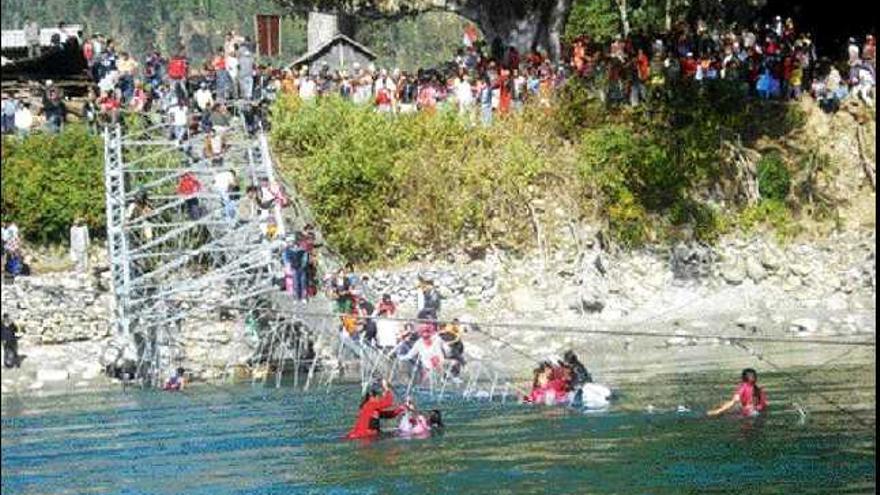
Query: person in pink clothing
751, 398
413, 424
548, 387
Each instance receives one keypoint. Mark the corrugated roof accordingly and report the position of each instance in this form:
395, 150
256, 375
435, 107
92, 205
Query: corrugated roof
14, 38
336, 39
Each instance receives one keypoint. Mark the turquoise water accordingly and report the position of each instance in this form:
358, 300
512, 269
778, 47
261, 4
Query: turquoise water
210, 440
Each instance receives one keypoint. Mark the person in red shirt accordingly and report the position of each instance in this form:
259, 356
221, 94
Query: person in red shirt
689, 66
751, 398
377, 404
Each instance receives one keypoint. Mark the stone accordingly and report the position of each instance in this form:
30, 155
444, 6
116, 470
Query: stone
836, 302
804, 325
792, 282
800, 269
771, 258
51, 375
524, 300
733, 272
755, 270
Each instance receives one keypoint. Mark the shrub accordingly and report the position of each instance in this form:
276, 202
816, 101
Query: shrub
774, 180
393, 186
50, 179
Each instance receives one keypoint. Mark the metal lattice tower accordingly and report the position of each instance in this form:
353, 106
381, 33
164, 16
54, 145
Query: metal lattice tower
168, 266
161, 251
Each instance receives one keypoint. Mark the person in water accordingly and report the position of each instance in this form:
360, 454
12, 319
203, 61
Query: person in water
176, 381
579, 373
413, 424
751, 398
549, 385
378, 403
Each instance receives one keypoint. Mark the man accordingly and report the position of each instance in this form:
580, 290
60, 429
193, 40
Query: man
464, 94
54, 109
32, 37
10, 343
430, 298
203, 97
179, 120
24, 119
245, 70
79, 244
247, 207
127, 67
10, 104
10, 237
308, 89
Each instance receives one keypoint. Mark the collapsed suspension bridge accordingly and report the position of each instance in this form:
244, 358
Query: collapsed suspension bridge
178, 257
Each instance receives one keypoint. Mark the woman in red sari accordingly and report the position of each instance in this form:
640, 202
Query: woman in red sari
377, 404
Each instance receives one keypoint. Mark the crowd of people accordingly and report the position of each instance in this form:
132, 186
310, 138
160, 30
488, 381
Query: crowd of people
774, 61
554, 383
430, 347
482, 82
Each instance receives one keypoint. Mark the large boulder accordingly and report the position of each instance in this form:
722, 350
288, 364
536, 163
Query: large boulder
734, 271
690, 262
755, 270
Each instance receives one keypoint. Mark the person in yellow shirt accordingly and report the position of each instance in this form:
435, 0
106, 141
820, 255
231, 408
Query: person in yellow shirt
795, 80
453, 347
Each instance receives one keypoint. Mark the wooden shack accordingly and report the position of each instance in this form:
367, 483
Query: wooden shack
339, 53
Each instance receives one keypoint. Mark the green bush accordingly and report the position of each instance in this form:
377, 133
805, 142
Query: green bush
50, 179
384, 186
774, 180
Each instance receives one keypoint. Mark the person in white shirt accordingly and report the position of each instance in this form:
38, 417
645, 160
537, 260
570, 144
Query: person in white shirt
464, 94
232, 70
203, 97
79, 245
223, 182
179, 120
308, 89
24, 119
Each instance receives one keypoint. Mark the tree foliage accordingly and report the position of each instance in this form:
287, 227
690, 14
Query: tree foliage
596, 18
50, 179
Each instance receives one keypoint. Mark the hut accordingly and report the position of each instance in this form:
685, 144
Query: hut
338, 53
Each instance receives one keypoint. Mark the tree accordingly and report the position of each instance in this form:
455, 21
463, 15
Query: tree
525, 24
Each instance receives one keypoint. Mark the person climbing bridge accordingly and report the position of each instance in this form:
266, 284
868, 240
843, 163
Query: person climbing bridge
751, 398
428, 349
378, 403
453, 348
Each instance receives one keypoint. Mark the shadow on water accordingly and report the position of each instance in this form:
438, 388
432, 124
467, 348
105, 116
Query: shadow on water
255, 440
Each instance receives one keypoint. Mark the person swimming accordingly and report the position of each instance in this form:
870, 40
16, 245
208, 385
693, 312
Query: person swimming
377, 404
751, 398
176, 381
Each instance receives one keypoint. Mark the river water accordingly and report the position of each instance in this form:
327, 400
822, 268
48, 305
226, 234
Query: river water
243, 439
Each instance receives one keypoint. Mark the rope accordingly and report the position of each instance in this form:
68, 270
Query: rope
563, 329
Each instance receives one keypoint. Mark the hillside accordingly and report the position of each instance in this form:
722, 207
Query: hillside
415, 187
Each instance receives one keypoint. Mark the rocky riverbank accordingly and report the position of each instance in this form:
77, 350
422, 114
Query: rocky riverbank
822, 288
